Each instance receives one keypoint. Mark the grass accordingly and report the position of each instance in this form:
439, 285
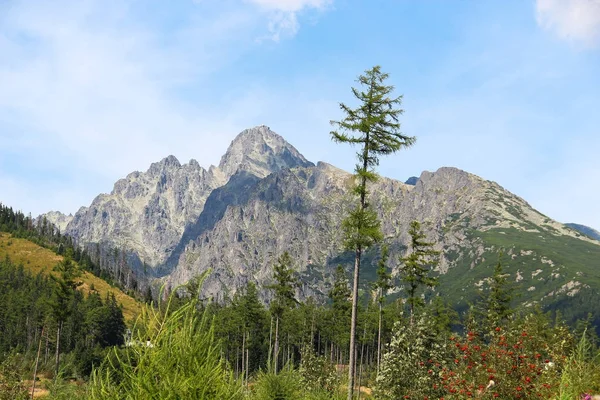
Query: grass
36, 259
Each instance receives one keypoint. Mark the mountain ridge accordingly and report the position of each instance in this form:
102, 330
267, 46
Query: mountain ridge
264, 198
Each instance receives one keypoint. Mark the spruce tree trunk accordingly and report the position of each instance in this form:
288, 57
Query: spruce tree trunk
243, 355
270, 343
379, 336
37, 360
276, 349
247, 359
57, 349
352, 360
46, 348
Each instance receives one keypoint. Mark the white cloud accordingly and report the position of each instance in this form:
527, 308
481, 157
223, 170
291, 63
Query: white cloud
573, 20
283, 14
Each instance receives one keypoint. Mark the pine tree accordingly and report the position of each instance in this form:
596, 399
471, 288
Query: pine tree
374, 125
417, 266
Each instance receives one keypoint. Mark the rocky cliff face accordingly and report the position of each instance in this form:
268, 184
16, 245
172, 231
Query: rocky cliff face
265, 198
147, 212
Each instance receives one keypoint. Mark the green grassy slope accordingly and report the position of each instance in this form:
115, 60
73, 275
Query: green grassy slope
37, 259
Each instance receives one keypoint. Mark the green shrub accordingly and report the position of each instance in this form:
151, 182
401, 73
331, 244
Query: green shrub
581, 372
12, 386
181, 360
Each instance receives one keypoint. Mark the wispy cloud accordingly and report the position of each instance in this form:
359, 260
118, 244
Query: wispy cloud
283, 14
574, 20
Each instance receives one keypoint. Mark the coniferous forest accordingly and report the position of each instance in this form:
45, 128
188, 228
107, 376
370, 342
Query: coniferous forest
58, 333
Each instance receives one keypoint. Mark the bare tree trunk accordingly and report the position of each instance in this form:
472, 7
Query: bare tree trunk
352, 352
331, 352
37, 360
319, 343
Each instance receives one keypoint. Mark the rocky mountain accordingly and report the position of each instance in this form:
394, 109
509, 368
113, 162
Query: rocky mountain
58, 219
586, 230
148, 213
265, 198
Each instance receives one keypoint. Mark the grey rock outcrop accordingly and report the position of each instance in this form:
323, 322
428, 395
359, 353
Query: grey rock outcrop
56, 218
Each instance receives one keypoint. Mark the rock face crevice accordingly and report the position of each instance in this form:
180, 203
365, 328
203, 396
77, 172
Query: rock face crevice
179, 220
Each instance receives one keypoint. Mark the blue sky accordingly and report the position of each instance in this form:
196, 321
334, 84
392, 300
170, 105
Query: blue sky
92, 90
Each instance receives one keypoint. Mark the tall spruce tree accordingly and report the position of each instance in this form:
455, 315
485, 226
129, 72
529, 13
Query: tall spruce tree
61, 297
496, 306
340, 306
417, 266
382, 285
283, 295
374, 126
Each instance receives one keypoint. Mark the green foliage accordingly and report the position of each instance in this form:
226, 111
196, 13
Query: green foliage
174, 355
444, 317
375, 121
362, 228
12, 386
417, 267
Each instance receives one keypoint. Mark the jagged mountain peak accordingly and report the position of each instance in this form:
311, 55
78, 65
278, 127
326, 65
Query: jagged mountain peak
168, 163
260, 151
